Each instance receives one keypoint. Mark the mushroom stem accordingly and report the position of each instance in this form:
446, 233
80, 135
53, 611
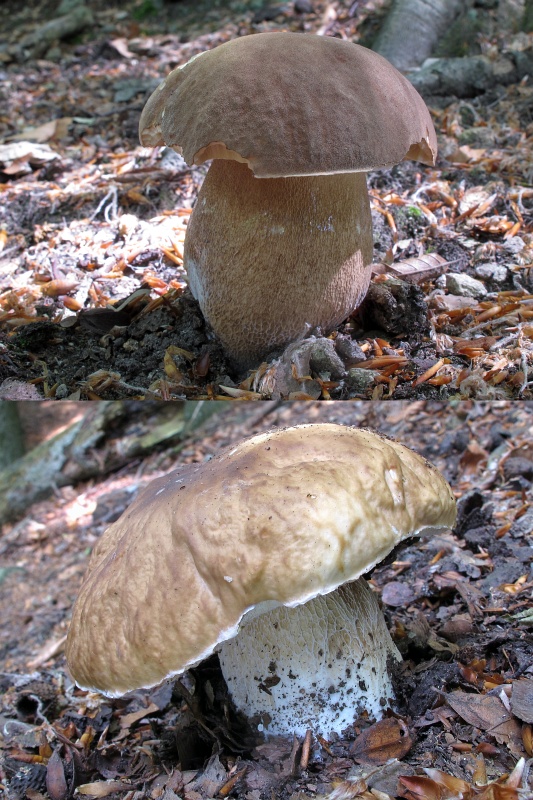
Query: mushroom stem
314, 666
269, 258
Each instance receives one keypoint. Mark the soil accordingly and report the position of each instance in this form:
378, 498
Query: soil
457, 606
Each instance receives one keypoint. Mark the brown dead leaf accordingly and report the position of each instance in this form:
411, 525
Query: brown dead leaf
129, 719
479, 345
51, 648
103, 788
466, 154
414, 270
55, 288
386, 739
522, 699
55, 129
456, 786
452, 302
396, 593
488, 713
56, 783
241, 394
419, 787
472, 458
437, 785
121, 46
429, 373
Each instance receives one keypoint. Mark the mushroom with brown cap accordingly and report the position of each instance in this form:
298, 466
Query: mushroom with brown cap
258, 553
280, 240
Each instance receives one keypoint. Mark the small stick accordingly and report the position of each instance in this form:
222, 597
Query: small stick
306, 749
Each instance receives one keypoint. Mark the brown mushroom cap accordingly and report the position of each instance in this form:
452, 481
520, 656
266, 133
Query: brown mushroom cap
283, 516
290, 104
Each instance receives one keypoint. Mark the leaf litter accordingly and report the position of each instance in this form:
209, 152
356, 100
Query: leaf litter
454, 604
91, 218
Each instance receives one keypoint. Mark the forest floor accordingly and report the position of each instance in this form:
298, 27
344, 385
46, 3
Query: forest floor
93, 297
458, 606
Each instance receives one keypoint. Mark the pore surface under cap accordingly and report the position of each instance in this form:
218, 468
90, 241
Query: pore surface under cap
280, 517
290, 104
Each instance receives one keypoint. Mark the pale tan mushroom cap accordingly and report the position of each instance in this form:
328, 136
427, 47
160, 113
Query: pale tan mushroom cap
282, 517
290, 104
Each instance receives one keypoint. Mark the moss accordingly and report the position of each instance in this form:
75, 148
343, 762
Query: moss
462, 37
146, 8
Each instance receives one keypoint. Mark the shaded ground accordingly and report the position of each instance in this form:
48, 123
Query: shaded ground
93, 300
458, 607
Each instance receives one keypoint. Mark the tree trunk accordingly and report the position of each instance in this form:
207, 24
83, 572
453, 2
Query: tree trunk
413, 28
527, 22
11, 443
109, 436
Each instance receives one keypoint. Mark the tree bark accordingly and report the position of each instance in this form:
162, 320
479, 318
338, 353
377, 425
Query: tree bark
109, 436
11, 442
527, 22
413, 28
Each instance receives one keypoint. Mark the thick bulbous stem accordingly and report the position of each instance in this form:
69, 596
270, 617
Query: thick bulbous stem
270, 258
314, 666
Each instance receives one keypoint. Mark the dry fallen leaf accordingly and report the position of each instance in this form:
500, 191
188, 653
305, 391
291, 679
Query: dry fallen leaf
103, 788
386, 739
135, 716
414, 270
51, 648
522, 699
55, 129
56, 784
488, 713
472, 458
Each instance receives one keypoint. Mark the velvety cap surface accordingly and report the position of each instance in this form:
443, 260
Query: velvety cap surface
290, 104
281, 517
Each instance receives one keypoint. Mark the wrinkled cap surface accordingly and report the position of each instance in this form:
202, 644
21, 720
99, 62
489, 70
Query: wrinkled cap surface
281, 517
290, 104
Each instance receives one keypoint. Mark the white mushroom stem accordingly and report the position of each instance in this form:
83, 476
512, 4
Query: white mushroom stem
270, 258
314, 666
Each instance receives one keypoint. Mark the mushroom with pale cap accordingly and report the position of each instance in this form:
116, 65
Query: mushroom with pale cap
258, 554
280, 239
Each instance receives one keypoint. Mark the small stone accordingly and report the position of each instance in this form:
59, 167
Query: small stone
303, 7
324, 359
522, 526
492, 272
348, 350
62, 392
270, 12
518, 466
172, 161
465, 286
513, 245
359, 380
127, 224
